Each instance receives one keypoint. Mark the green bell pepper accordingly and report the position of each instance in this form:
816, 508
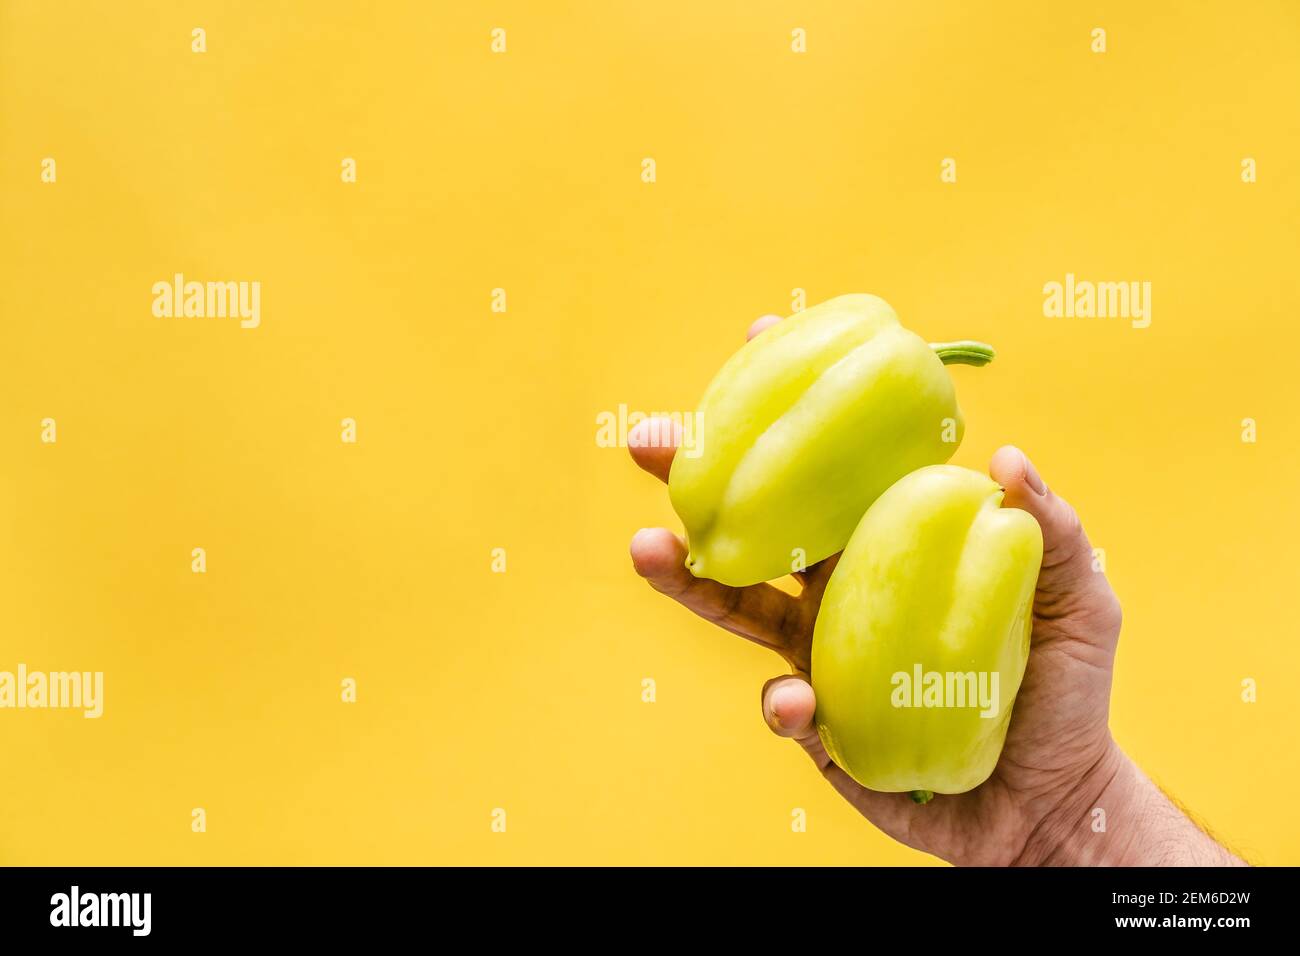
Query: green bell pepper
804, 428
923, 634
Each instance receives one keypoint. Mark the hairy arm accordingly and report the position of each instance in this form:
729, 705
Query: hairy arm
1143, 826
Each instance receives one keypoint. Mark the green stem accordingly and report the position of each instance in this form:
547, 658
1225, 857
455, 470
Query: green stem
921, 796
965, 352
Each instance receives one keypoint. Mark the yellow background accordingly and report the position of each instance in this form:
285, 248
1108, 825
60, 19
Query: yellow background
477, 430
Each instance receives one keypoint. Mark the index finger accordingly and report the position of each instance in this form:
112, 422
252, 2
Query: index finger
761, 323
653, 443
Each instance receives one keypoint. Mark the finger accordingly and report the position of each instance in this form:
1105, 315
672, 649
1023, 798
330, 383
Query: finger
765, 322
1067, 583
760, 613
653, 442
815, 579
789, 708
789, 705
1065, 546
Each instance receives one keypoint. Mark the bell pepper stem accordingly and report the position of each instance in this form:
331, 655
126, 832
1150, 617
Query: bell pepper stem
921, 796
965, 352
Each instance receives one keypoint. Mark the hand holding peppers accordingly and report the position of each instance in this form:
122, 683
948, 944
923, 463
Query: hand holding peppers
1059, 761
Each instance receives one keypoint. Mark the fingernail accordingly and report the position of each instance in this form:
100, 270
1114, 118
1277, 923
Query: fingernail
1031, 477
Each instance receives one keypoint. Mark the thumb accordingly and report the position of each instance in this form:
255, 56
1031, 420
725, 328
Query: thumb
1069, 589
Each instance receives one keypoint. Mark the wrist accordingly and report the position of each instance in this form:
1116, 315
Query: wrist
1105, 827
1116, 816
1091, 824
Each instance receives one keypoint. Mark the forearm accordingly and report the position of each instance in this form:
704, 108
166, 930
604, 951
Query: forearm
1125, 820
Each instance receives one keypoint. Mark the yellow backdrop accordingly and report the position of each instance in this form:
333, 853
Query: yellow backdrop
524, 170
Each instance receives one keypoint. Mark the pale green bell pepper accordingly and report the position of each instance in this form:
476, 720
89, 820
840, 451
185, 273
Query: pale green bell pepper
923, 634
804, 428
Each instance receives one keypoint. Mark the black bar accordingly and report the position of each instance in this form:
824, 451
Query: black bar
334, 905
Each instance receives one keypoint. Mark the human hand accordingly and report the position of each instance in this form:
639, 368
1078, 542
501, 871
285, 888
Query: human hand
1059, 762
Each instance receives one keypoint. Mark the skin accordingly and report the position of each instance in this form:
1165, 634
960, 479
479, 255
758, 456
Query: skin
1059, 763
